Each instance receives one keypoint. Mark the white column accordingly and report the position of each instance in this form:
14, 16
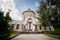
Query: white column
15, 25
38, 28
33, 27
47, 28
20, 27
42, 28
52, 28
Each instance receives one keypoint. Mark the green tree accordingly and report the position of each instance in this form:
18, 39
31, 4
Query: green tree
49, 13
5, 28
56, 4
42, 11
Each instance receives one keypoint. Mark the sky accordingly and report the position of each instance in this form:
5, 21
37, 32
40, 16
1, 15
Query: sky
18, 6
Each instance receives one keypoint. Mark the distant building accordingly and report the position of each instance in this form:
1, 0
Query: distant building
29, 23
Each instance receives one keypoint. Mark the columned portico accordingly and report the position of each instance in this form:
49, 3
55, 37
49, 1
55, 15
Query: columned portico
29, 23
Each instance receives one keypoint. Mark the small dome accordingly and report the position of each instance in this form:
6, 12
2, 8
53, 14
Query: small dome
29, 10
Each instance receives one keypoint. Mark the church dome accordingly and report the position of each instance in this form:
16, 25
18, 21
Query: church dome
29, 10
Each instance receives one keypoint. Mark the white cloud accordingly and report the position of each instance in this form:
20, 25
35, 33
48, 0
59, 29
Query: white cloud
36, 4
10, 5
24, 8
20, 18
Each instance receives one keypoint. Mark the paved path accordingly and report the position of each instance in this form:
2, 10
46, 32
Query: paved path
33, 37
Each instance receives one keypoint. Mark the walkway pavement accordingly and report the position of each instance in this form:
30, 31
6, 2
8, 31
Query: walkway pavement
33, 37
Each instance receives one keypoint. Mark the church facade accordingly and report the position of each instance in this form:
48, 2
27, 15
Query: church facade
29, 23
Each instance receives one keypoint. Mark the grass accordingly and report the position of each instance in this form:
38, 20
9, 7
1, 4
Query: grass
13, 34
55, 33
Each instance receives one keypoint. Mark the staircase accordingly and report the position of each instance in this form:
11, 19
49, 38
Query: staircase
30, 32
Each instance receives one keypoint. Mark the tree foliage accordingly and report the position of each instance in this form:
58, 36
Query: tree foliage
56, 4
42, 13
49, 13
5, 28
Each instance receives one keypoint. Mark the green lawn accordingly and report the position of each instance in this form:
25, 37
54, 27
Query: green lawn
13, 34
55, 33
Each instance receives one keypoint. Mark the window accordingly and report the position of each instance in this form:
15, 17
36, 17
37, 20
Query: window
12, 25
35, 27
17, 26
40, 27
22, 26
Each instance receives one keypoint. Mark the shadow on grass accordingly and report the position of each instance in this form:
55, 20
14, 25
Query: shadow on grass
55, 33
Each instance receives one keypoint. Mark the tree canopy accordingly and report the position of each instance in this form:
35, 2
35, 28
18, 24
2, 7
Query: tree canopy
5, 27
49, 13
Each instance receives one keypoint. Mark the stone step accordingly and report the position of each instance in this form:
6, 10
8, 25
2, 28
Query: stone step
24, 32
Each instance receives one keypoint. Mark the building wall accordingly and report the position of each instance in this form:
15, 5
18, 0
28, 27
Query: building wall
28, 14
19, 26
39, 28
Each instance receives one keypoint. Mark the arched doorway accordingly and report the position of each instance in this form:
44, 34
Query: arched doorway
29, 25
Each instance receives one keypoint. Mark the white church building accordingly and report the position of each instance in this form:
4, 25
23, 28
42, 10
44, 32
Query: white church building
29, 23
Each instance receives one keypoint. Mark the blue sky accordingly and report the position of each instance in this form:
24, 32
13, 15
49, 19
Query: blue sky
22, 5
18, 6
